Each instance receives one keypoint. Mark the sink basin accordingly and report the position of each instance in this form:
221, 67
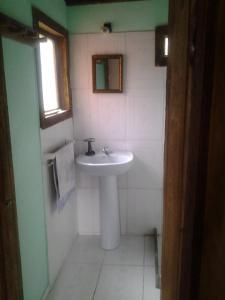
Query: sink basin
107, 167
100, 164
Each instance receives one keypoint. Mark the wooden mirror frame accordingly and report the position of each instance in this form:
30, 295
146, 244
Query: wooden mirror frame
109, 56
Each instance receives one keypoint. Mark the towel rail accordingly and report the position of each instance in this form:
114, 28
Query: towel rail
50, 157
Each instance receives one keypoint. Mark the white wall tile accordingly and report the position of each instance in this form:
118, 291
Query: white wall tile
144, 211
88, 207
140, 59
109, 114
147, 171
61, 226
85, 181
145, 118
81, 113
113, 43
123, 210
79, 64
133, 120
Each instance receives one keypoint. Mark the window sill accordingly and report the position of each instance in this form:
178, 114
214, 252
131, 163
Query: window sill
57, 116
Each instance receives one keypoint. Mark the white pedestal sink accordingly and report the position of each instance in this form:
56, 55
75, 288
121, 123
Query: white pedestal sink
107, 167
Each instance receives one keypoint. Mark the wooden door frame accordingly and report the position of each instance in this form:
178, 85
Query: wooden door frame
193, 35
211, 264
10, 266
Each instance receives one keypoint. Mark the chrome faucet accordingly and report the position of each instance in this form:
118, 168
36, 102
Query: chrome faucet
106, 150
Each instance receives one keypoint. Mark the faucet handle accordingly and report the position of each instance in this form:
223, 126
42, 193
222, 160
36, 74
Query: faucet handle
90, 151
89, 140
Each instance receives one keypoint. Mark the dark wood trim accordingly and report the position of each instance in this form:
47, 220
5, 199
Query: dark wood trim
107, 56
60, 36
202, 43
39, 16
189, 106
212, 252
17, 31
47, 122
10, 268
176, 105
86, 2
160, 33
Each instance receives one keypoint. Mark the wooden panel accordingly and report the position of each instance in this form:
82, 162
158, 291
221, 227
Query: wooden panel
212, 276
10, 270
177, 84
202, 39
85, 2
189, 97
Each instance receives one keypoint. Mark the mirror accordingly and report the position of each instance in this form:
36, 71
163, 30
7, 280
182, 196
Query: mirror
161, 45
107, 73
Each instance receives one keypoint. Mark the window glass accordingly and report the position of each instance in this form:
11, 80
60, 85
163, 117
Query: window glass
49, 75
166, 46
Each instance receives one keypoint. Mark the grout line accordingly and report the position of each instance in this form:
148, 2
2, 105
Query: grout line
157, 277
144, 252
99, 274
143, 269
125, 265
143, 283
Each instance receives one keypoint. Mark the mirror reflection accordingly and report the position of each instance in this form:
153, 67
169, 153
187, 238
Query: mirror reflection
107, 73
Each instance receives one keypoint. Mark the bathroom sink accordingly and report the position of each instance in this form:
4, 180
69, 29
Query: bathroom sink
100, 164
107, 166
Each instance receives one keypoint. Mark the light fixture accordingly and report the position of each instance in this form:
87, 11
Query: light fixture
106, 27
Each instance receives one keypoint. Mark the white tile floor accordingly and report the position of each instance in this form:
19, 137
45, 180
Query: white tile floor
90, 273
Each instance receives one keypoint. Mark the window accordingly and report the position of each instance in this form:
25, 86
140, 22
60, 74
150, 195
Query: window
161, 45
53, 70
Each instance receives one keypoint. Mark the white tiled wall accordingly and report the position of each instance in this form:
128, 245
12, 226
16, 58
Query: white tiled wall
61, 226
133, 120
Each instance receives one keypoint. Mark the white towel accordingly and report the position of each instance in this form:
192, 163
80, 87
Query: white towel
64, 174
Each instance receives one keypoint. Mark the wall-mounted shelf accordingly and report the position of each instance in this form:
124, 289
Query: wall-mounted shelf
17, 31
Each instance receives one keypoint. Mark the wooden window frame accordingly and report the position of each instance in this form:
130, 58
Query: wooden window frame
160, 33
49, 28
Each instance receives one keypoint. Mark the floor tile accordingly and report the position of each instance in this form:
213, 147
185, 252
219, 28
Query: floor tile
120, 283
76, 282
130, 252
150, 291
86, 249
149, 252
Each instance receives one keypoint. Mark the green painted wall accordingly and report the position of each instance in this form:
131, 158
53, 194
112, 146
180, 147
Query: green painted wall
132, 16
21, 9
21, 82
26, 152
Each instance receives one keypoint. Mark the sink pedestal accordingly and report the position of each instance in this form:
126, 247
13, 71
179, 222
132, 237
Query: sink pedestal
108, 167
109, 212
